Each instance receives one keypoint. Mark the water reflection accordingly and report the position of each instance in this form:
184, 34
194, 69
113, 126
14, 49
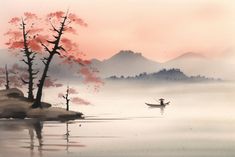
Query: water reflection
35, 126
67, 136
35, 132
162, 108
38, 138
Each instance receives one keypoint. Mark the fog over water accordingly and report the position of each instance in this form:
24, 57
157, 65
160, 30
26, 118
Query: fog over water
131, 45
198, 122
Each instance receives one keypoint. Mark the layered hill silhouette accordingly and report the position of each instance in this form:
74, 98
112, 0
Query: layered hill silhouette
170, 75
125, 63
129, 63
190, 62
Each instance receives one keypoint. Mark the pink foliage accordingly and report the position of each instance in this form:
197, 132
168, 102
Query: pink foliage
77, 100
14, 34
60, 95
52, 83
14, 20
15, 73
30, 16
15, 44
74, 99
48, 83
15, 81
72, 91
71, 30
71, 58
41, 38
33, 31
58, 15
35, 45
37, 36
74, 18
68, 45
89, 76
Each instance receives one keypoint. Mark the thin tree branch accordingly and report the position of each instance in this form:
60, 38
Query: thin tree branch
45, 47
54, 29
25, 82
25, 61
35, 73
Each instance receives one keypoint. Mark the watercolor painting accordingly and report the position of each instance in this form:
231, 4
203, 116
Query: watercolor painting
117, 78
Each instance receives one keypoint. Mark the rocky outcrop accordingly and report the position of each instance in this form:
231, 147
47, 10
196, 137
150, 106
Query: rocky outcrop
13, 104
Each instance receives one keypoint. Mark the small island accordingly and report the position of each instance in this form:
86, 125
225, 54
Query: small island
13, 104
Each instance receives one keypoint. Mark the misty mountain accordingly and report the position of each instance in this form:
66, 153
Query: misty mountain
189, 62
194, 63
125, 63
189, 55
129, 63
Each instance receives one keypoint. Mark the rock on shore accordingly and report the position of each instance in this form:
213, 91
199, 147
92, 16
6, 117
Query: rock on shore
13, 104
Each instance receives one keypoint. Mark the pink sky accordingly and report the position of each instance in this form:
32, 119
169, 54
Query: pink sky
160, 29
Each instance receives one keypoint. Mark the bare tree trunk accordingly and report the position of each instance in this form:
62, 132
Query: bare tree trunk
31, 78
37, 102
47, 61
30, 56
67, 98
7, 78
67, 104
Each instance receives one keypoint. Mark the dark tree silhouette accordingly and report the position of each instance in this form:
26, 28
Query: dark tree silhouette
66, 97
73, 99
49, 82
24, 39
29, 62
7, 78
63, 47
12, 76
50, 41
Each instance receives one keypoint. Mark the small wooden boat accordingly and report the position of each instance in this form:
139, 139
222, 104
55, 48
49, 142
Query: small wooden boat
158, 105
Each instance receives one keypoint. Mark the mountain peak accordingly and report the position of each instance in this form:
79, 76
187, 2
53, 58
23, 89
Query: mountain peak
95, 60
190, 55
126, 54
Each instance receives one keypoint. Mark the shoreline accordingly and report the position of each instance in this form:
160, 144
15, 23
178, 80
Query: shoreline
14, 105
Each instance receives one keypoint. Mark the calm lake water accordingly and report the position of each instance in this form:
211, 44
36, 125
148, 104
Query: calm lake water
199, 122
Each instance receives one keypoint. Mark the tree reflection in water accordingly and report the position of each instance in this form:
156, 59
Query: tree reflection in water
35, 126
67, 136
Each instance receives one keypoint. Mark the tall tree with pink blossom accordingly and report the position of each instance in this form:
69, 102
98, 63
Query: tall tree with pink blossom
23, 38
60, 43
56, 38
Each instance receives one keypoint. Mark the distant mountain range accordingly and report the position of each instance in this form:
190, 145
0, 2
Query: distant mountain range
171, 75
125, 63
129, 63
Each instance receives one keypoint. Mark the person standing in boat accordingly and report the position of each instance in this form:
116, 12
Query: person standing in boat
161, 101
